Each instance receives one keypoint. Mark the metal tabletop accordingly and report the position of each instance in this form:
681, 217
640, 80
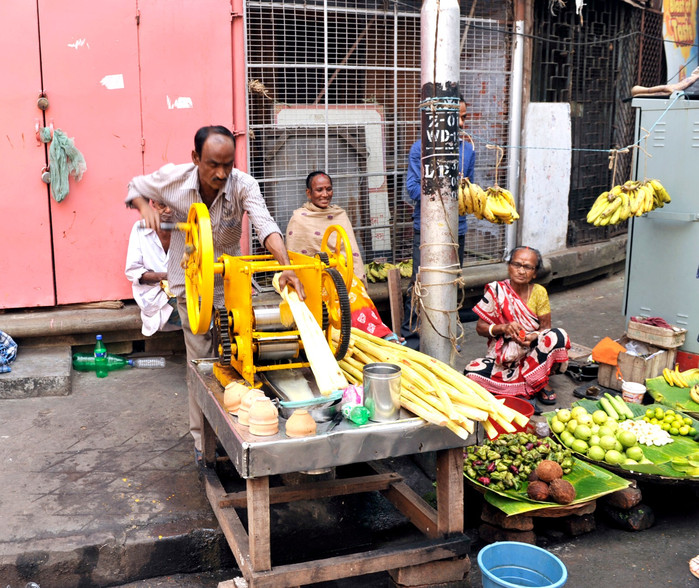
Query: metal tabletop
347, 443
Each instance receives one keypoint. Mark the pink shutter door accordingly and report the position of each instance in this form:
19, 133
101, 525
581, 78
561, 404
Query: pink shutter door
186, 77
26, 271
90, 68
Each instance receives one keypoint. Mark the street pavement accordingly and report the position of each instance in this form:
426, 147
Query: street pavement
99, 487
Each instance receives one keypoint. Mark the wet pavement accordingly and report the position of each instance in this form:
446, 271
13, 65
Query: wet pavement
100, 488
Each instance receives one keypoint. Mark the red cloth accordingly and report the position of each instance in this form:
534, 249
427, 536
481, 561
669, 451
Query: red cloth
653, 321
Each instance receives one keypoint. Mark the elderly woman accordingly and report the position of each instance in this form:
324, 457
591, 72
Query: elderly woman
523, 349
304, 234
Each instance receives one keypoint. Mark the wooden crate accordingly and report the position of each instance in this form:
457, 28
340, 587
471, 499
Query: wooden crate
634, 368
658, 336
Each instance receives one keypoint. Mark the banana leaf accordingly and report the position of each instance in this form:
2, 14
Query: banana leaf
590, 482
660, 456
675, 398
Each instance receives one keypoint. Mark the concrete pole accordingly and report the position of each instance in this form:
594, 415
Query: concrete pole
439, 265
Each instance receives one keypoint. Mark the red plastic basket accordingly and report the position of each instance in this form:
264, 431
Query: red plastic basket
518, 404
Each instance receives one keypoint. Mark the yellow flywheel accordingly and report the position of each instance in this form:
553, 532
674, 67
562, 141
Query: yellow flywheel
199, 268
344, 262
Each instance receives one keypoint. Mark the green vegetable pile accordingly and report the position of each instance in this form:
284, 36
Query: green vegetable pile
506, 462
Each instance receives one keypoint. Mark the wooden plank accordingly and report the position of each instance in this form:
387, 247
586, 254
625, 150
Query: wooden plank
410, 504
360, 564
228, 520
259, 523
324, 489
395, 299
450, 491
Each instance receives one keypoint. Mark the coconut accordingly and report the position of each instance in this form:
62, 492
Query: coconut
548, 470
562, 491
538, 491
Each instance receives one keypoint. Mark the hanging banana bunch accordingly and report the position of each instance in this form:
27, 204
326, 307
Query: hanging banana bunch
378, 272
633, 198
495, 204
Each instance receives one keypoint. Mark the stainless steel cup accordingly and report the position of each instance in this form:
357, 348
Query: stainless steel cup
382, 391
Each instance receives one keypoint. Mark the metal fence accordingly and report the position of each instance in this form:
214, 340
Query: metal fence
336, 86
592, 64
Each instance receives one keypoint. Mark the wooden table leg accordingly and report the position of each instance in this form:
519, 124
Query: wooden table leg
259, 523
450, 491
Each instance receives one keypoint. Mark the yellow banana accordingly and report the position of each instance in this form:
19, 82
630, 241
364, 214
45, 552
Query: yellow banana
667, 374
507, 195
694, 393
611, 209
616, 216
487, 212
598, 207
660, 190
462, 199
678, 377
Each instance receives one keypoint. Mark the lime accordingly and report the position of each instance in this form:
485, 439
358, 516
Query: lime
678, 423
647, 419
684, 429
659, 413
674, 431
669, 411
669, 418
613, 457
692, 431
627, 439
650, 413
666, 426
687, 421
653, 421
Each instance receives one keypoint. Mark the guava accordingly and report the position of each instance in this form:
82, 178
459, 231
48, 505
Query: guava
571, 425
557, 426
613, 457
605, 431
577, 411
595, 452
626, 438
635, 452
582, 432
593, 440
607, 442
599, 417
563, 415
584, 419
580, 446
629, 461
567, 438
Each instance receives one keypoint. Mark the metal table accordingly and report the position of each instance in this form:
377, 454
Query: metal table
257, 458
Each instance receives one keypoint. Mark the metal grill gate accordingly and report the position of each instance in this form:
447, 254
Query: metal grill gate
593, 65
336, 86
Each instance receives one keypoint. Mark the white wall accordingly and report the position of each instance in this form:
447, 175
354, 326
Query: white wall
546, 177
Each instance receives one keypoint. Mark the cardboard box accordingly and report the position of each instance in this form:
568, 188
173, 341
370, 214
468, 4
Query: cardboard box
635, 368
658, 336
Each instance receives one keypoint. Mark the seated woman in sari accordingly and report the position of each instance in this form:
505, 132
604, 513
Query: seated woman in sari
304, 234
523, 349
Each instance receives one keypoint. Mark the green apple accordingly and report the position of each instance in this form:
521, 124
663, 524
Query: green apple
599, 417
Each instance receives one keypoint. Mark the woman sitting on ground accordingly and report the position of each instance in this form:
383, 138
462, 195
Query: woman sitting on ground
523, 349
304, 234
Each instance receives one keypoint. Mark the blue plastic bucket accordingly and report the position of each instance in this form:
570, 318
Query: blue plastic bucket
511, 564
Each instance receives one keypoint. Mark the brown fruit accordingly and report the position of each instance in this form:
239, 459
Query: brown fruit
533, 477
562, 491
548, 470
538, 491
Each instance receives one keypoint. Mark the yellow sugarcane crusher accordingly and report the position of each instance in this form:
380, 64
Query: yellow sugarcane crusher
251, 337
